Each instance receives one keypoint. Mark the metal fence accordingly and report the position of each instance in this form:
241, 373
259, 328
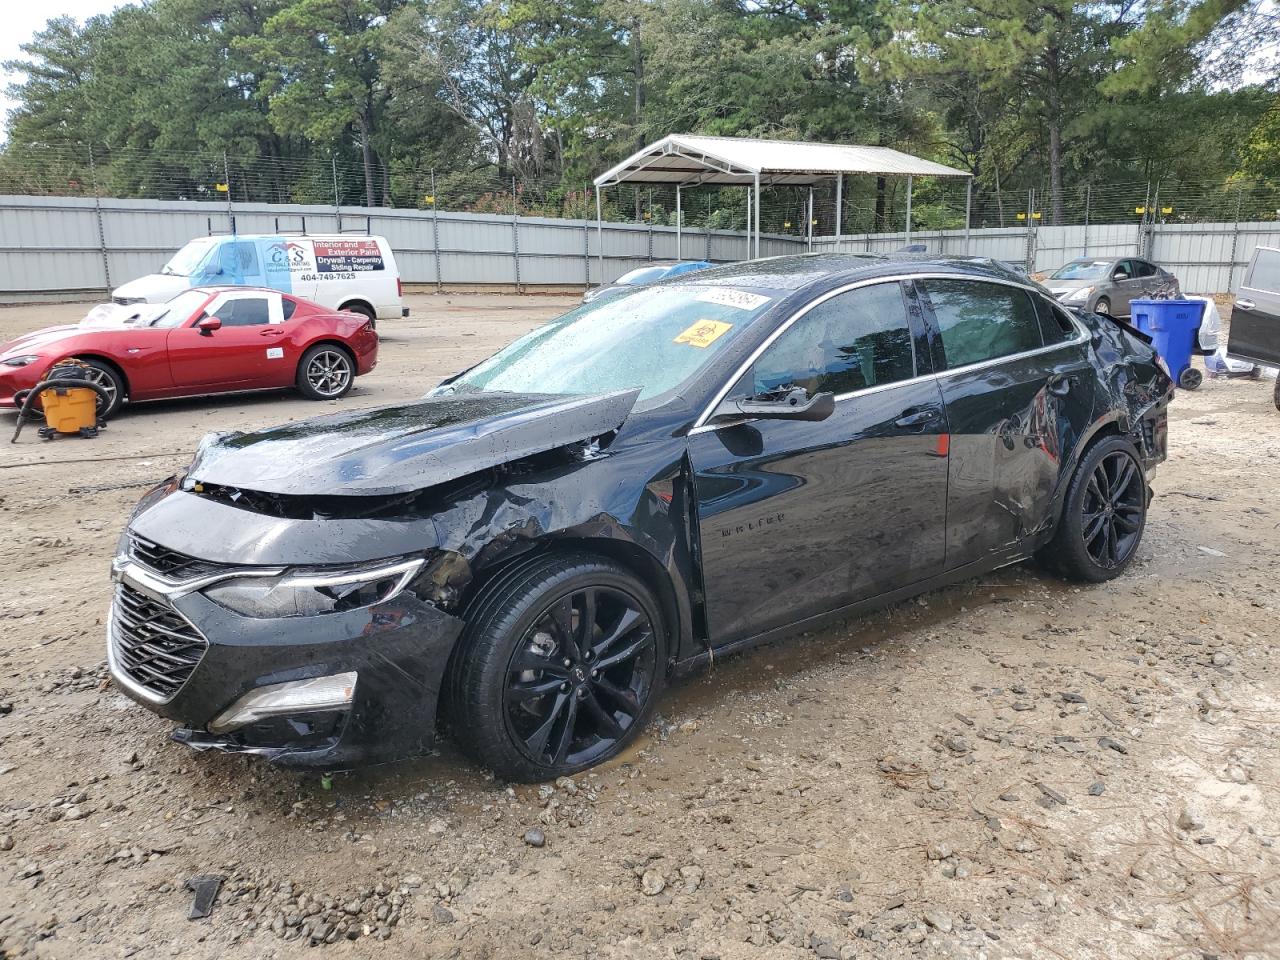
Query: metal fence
82, 246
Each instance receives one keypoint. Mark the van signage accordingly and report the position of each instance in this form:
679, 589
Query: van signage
347, 256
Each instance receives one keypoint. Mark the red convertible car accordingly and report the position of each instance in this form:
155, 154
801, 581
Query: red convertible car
205, 340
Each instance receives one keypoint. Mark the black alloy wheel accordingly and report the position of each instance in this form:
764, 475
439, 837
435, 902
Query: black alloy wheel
1113, 508
1104, 514
559, 668
580, 679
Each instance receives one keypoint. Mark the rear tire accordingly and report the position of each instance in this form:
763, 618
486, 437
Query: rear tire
1103, 517
1276, 394
558, 669
326, 372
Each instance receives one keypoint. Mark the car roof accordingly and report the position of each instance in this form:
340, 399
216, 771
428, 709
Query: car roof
212, 288
797, 271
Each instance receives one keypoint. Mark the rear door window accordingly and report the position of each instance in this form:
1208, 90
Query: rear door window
1265, 272
850, 342
982, 321
1055, 325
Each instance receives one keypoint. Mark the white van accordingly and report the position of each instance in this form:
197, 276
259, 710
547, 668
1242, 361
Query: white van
340, 271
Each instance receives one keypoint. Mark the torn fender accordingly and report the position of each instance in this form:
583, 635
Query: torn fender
405, 448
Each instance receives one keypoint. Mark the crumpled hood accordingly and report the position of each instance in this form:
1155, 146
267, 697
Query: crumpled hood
400, 449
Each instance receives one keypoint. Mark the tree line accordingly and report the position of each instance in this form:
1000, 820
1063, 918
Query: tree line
1041, 94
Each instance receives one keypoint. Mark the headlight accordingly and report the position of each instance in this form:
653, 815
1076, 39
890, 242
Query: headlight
1081, 294
20, 361
312, 593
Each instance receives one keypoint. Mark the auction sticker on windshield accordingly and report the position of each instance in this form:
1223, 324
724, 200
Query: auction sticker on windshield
704, 333
738, 299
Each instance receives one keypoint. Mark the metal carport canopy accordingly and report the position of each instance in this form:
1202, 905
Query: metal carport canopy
686, 161
739, 161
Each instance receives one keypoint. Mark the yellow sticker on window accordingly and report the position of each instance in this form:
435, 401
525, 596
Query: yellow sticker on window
704, 333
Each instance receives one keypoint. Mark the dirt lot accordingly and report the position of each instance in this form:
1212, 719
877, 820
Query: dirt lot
1013, 767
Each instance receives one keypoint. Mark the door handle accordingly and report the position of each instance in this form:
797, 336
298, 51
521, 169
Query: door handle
1245, 304
915, 418
1060, 385
270, 333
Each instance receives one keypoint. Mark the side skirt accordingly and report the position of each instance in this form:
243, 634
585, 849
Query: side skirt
967, 572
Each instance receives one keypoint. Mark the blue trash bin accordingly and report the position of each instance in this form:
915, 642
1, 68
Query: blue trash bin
1172, 326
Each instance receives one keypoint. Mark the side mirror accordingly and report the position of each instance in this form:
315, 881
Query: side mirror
208, 325
796, 405
1119, 275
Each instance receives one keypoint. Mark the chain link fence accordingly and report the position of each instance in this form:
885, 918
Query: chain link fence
472, 226
869, 204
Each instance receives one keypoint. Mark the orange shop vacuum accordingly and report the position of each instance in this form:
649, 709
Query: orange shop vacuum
68, 401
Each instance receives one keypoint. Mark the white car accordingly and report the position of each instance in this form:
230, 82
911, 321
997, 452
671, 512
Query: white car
339, 271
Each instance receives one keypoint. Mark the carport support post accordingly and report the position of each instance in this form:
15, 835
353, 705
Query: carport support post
599, 237
907, 241
968, 209
757, 217
839, 206
678, 254
809, 226
1088, 196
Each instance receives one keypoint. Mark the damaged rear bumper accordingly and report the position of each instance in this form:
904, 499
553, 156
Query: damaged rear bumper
397, 650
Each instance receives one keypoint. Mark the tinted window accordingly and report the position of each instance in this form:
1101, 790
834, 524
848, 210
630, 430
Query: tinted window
1124, 267
1265, 273
1144, 269
982, 321
244, 312
854, 340
288, 306
1055, 325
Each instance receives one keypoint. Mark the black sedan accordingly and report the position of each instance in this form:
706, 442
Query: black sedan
531, 552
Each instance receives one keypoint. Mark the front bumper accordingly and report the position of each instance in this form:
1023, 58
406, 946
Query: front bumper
15, 380
398, 649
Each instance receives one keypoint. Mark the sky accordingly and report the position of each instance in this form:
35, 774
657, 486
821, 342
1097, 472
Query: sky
22, 19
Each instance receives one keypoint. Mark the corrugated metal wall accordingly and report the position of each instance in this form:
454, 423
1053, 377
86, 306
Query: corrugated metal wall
51, 245
74, 245
1207, 257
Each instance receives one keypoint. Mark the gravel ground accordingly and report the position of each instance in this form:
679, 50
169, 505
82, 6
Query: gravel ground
1012, 767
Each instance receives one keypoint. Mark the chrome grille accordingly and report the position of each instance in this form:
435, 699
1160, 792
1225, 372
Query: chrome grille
155, 646
168, 562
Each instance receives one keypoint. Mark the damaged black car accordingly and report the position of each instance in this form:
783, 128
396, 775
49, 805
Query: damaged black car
528, 554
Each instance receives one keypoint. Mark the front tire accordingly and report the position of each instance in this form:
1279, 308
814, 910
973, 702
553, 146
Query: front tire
326, 372
560, 666
1103, 517
1103, 306
110, 381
